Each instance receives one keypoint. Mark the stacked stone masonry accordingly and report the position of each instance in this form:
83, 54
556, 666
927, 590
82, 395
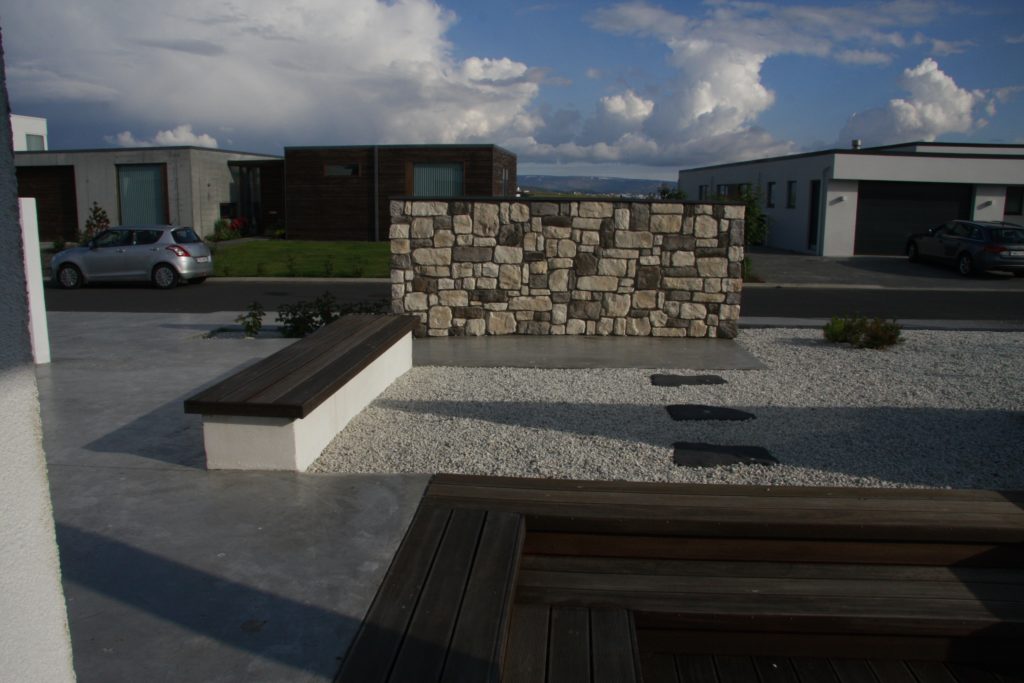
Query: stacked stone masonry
638, 268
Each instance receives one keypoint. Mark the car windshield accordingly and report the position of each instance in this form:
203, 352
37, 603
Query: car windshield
1008, 235
185, 236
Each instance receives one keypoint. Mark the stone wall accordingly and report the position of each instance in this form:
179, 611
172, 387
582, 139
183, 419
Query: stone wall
639, 268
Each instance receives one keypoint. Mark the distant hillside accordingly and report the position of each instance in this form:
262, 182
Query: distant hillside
591, 185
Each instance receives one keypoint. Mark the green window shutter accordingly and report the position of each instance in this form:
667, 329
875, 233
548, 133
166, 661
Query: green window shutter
142, 194
437, 180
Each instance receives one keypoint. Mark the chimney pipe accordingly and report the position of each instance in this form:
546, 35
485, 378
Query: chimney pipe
855, 143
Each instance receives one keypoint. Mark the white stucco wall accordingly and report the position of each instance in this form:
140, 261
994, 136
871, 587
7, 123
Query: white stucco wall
989, 202
34, 640
930, 169
27, 125
840, 207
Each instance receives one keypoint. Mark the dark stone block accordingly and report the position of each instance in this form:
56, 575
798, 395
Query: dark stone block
421, 243
736, 233
585, 264
732, 298
712, 455
646, 252
510, 235
683, 271
638, 313
648, 277
472, 254
468, 312
458, 208
489, 296
707, 252
442, 222
686, 380
561, 297
687, 242
533, 256
735, 270
679, 295
557, 221
401, 261
585, 310
640, 217
542, 316
457, 331
608, 233
424, 284
693, 411
713, 308
672, 243
543, 209
528, 327
727, 329
677, 323
539, 280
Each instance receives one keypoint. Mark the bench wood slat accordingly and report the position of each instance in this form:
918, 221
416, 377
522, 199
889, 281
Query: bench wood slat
569, 645
775, 670
478, 644
744, 491
271, 368
661, 668
613, 646
372, 652
426, 643
526, 660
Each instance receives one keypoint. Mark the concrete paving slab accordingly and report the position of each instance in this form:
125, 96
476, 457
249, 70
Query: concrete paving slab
175, 573
567, 352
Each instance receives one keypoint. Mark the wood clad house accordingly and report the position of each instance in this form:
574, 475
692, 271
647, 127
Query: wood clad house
342, 193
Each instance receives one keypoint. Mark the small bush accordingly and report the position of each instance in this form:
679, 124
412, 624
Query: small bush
252, 322
306, 317
59, 244
863, 333
97, 222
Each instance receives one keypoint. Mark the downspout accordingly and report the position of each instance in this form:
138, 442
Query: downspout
376, 194
826, 173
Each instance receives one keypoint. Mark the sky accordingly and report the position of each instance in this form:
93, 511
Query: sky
623, 89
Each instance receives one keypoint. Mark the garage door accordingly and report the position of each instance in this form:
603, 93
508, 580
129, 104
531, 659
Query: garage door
887, 213
53, 188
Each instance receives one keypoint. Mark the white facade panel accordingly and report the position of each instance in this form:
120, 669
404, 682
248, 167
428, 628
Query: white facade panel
929, 169
23, 126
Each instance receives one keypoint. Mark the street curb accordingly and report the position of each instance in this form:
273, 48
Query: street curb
874, 288
753, 323
326, 280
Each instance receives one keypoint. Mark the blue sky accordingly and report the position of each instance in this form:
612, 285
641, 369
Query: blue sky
631, 89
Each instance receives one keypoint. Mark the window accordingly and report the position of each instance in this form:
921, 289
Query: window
1015, 200
35, 143
769, 198
147, 236
790, 194
504, 182
341, 170
744, 190
185, 236
722, 191
142, 194
113, 238
437, 180
702, 192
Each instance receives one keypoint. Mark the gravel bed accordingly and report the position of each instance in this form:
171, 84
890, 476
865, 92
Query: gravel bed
943, 409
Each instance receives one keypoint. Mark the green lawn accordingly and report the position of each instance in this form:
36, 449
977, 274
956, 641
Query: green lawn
288, 258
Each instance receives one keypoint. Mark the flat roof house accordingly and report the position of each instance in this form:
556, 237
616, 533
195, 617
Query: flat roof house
845, 202
180, 185
342, 193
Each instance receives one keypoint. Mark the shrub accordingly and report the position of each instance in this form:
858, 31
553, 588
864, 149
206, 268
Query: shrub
97, 222
252, 321
755, 223
305, 317
59, 244
863, 333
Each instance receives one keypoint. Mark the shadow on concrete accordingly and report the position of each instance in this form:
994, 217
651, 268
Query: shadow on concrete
910, 446
206, 605
165, 435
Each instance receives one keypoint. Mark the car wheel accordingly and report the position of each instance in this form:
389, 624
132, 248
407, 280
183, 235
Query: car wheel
69, 276
164, 276
197, 281
912, 254
965, 264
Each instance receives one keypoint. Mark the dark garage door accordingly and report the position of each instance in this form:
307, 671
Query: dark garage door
887, 213
53, 188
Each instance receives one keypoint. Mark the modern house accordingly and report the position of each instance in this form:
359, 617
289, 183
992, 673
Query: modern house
844, 202
341, 193
181, 185
29, 133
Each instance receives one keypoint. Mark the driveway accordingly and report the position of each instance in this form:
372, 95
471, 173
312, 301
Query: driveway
778, 268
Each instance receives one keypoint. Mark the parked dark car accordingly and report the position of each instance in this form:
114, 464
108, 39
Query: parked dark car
161, 254
973, 246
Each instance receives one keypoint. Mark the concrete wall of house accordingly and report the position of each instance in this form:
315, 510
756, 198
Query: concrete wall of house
929, 169
212, 184
34, 640
932, 148
597, 267
989, 202
27, 125
787, 226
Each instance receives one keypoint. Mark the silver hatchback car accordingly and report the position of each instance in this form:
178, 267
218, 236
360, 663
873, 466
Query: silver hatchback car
163, 254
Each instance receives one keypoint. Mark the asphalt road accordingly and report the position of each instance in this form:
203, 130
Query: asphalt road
789, 302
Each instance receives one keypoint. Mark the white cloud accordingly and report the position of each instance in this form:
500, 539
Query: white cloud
1015, 40
180, 136
935, 105
628, 106
303, 72
942, 48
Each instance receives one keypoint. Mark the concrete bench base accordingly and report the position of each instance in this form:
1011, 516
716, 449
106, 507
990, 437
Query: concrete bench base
277, 443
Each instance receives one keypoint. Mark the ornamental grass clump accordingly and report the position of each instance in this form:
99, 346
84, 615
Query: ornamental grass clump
863, 333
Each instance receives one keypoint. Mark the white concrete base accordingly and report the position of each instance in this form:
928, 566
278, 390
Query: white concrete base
276, 443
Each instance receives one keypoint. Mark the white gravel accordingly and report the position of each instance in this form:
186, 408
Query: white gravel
943, 409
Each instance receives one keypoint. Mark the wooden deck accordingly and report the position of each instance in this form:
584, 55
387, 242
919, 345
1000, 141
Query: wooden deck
614, 581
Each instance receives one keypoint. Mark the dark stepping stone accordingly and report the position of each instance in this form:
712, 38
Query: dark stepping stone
693, 411
712, 455
685, 380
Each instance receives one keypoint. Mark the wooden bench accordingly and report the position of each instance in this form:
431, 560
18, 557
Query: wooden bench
281, 412
914, 580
